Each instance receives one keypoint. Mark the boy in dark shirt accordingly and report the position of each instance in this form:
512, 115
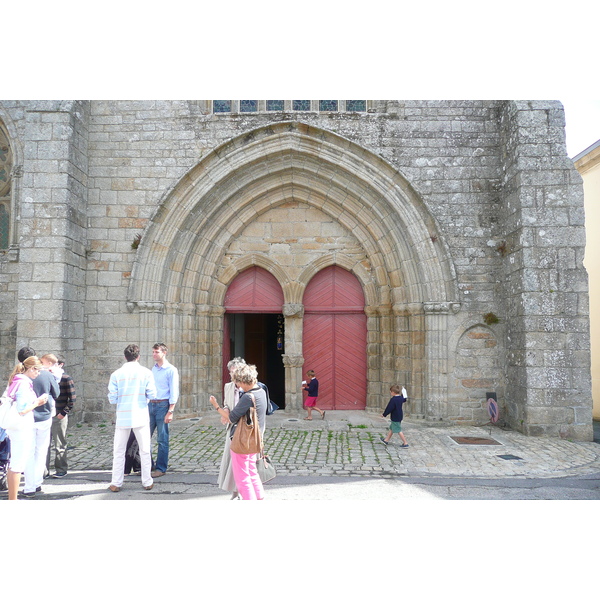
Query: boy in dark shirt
394, 409
313, 395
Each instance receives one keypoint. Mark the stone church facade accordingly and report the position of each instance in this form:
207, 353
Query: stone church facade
435, 244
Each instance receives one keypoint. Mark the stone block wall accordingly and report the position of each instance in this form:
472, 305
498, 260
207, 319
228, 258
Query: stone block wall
505, 213
545, 290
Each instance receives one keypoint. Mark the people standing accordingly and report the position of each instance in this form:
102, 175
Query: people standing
394, 409
231, 395
166, 377
44, 383
312, 387
20, 389
60, 422
130, 388
246, 476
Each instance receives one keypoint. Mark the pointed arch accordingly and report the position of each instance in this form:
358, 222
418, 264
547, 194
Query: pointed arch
254, 290
194, 246
249, 175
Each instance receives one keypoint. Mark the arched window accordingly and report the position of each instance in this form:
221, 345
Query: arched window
6, 163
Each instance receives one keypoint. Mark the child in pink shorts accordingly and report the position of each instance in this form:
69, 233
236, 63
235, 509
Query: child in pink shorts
312, 387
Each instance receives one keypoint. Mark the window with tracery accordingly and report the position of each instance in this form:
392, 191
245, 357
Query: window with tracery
250, 106
6, 163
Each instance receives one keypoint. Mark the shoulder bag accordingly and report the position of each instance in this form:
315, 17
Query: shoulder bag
246, 438
10, 419
265, 468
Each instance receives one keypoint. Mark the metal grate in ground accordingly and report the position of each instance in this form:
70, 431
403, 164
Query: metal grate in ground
475, 441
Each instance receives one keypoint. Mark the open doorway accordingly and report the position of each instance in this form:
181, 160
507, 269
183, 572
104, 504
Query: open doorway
258, 339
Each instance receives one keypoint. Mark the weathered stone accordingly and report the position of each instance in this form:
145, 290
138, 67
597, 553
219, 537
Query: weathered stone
444, 211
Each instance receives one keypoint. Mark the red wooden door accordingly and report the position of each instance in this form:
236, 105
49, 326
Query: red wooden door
254, 291
335, 339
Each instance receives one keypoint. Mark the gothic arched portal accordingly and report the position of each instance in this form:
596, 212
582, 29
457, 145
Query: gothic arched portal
294, 199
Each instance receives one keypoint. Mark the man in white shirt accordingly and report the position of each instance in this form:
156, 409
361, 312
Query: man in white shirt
130, 388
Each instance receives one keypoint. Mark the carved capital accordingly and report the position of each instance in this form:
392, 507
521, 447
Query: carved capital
406, 310
145, 307
208, 310
441, 308
183, 308
293, 310
215, 311
384, 310
292, 360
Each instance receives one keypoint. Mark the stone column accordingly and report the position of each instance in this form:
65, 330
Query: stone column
380, 356
207, 373
180, 336
436, 352
402, 351
293, 359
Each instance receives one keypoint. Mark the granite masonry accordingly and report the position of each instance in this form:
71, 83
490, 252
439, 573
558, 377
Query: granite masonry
463, 221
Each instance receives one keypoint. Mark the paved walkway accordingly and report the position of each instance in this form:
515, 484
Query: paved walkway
347, 443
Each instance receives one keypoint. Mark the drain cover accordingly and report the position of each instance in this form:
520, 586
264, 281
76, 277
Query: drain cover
292, 419
509, 457
476, 441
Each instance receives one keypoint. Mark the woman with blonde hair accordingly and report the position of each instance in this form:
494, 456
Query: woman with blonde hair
231, 396
247, 481
20, 389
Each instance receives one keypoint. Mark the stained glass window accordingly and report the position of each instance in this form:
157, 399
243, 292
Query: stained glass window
6, 166
4, 226
328, 104
356, 105
248, 105
301, 104
220, 106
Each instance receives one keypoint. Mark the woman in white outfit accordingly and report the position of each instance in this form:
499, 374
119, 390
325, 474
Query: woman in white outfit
20, 388
231, 395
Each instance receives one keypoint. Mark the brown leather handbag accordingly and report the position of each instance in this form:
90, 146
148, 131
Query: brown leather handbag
246, 438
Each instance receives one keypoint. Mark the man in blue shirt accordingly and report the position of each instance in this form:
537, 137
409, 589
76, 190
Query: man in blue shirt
161, 410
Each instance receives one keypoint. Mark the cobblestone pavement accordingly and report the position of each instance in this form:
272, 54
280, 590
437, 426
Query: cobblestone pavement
347, 443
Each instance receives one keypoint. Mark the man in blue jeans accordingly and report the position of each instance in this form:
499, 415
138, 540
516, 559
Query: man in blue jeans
166, 378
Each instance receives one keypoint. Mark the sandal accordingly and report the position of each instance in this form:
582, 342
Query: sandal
307, 419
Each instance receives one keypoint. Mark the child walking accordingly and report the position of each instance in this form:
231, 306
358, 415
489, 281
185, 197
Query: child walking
394, 409
313, 392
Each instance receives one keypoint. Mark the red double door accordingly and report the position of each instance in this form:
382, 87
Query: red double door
335, 339
334, 334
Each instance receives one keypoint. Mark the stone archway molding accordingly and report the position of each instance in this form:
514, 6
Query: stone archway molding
181, 260
182, 247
